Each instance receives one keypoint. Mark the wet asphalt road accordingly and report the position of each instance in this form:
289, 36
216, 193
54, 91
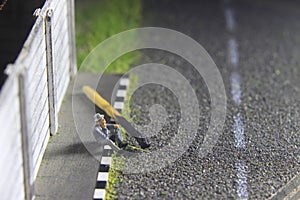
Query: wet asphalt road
258, 151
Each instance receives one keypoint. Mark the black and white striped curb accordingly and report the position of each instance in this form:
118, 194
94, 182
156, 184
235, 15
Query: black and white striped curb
105, 162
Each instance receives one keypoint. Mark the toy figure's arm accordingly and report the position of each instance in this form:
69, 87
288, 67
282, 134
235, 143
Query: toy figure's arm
115, 126
97, 131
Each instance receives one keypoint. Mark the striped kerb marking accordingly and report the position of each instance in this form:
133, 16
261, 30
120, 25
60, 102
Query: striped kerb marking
102, 176
103, 172
118, 105
121, 93
124, 81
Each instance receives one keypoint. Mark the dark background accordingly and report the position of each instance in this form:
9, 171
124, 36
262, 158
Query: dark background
16, 20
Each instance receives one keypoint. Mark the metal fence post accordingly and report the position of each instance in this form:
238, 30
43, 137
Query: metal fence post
50, 73
25, 137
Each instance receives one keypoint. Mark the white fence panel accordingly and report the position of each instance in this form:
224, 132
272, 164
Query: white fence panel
33, 59
11, 172
61, 42
37, 94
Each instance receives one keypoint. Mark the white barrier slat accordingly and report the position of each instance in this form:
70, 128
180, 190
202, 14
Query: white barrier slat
10, 122
63, 71
44, 117
58, 8
58, 23
37, 85
11, 95
39, 108
39, 123
60, 33
55, 4
39, 61
62, 87
10, 151
14, 185
11, 173
40, 68
37, 45
62, 54
38, 151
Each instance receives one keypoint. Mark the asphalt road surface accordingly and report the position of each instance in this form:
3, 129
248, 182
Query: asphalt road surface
256, 47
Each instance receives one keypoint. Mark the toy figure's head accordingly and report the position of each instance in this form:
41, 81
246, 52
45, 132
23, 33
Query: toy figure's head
100, 120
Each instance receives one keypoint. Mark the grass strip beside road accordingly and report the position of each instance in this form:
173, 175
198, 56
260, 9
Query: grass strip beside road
97, 20
113, 177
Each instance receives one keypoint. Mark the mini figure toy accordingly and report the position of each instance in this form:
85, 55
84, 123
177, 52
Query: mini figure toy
107, 134
110, 134
96, 98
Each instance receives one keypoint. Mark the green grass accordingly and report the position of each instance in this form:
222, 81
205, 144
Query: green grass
113, 177
97, 20
130, 89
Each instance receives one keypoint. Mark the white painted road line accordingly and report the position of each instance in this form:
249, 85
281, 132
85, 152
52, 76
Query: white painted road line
238, 129
242, 180
99, 193
236, 92
229, 16
236, 88
233, 52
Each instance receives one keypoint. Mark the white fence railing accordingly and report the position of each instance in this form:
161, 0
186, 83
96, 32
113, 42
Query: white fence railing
32, 95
